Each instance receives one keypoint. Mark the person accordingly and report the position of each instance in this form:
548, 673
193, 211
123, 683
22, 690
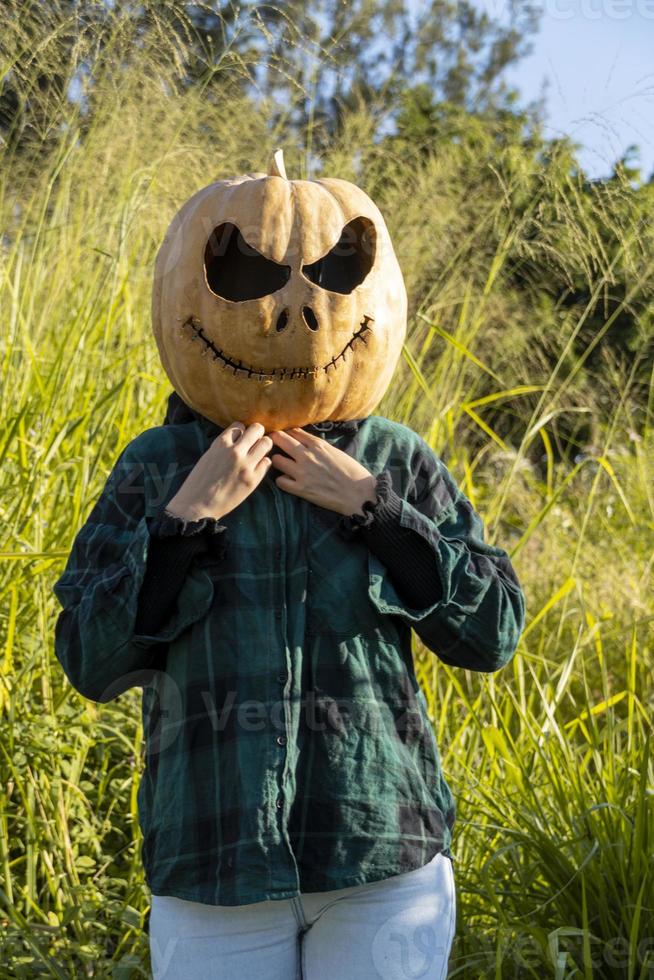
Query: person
263, 590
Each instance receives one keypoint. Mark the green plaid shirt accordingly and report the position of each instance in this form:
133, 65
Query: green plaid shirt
288, 747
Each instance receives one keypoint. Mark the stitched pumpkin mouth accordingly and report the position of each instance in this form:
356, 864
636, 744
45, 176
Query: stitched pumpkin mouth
274, 374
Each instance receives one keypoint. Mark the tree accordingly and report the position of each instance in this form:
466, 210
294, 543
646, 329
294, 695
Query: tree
318, 58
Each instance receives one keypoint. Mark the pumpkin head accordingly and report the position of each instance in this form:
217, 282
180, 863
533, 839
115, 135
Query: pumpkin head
279, 301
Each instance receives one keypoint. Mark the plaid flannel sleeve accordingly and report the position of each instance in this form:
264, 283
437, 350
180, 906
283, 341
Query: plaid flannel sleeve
479, 615
95, 638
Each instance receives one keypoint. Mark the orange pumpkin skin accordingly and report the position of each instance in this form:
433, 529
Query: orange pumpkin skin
302, 353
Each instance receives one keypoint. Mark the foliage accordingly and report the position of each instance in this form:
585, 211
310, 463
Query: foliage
530, 311
319, 59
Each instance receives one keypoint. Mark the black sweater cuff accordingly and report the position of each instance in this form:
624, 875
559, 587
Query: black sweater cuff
166, 525
174, 543
408, 556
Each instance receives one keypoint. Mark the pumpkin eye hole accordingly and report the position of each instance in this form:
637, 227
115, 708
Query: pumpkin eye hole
348, 263
235, 270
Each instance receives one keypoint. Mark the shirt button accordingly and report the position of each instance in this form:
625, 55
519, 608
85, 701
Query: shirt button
279, 802
281, 739
282, 678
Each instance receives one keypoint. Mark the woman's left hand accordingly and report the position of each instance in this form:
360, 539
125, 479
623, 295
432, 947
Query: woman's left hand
321, 473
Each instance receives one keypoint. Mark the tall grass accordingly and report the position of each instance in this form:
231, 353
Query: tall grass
551, 759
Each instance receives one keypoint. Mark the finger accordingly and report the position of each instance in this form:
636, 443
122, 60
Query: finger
233, 432
305, 438
286, 442
286, 483
262, 467
260, 448
251, 435
284, 464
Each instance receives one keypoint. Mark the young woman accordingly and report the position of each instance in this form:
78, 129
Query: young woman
262, 589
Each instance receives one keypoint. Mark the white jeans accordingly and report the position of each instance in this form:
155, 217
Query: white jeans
400, 928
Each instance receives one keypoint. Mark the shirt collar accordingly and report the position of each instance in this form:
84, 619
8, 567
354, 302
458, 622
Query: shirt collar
178, 412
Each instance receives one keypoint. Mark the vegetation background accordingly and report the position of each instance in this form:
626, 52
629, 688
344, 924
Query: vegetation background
527, 367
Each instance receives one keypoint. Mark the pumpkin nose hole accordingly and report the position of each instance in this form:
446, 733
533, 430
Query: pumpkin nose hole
309, 318
282, 320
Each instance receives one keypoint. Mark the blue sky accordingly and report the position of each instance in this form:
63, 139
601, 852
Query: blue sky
598, 59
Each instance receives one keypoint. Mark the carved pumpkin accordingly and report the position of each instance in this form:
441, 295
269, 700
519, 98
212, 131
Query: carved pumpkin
279, 301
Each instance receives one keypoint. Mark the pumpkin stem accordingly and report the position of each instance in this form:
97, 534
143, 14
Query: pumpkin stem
276, 166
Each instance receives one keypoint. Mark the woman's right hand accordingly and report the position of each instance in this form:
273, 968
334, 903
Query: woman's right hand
231, 468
